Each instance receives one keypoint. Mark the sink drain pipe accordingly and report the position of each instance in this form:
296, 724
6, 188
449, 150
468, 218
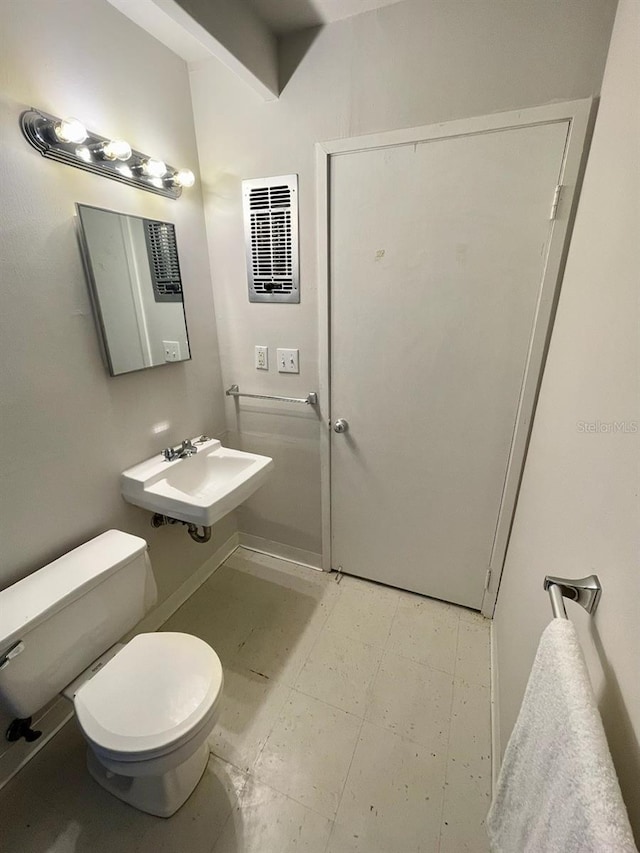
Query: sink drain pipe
158, 520
199, 537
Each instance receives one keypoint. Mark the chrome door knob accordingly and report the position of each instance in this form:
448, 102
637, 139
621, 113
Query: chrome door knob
341, 425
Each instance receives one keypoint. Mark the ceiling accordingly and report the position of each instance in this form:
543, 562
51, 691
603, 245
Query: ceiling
240, 33
285, 16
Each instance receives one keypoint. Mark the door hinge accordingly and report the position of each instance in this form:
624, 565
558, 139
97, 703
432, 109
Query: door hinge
556, 201
487, 578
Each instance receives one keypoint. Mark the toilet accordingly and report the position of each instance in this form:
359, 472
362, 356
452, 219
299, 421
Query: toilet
146, 707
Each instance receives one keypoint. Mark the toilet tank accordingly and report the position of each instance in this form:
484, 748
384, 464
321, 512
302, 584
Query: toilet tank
58, 620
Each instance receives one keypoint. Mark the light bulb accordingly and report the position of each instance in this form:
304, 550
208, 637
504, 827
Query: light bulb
154, 168
116, 149
184, 178
157, 182
70, 130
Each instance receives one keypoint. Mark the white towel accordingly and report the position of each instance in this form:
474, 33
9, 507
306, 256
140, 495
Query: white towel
558, 791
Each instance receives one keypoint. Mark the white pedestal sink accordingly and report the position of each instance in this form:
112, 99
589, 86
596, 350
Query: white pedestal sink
198, 489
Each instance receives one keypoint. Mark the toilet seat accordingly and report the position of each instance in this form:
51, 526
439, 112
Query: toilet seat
154, 696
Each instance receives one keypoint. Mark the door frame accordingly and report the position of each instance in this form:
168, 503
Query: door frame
580, 114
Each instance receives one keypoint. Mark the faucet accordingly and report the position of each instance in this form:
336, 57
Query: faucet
186, 449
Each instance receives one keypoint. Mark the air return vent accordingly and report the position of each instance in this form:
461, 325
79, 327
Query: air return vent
163, 261
271, 236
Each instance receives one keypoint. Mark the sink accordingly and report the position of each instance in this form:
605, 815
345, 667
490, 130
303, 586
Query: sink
199, 489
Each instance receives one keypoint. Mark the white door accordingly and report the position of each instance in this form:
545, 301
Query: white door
437, 254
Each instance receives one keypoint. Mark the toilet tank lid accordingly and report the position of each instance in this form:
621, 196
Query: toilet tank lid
38, 596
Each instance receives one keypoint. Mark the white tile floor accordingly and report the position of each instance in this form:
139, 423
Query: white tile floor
355, 719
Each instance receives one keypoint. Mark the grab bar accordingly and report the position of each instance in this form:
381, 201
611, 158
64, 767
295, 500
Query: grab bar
310, 400
586, 591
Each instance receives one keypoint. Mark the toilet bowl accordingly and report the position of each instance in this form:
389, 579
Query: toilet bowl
145, 708
146, 716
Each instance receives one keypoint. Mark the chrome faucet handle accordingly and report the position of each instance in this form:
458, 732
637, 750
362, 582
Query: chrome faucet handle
186, 449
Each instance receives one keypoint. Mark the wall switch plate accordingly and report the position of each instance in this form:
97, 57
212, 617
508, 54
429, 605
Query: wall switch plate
262, 358
171, 350
288, 361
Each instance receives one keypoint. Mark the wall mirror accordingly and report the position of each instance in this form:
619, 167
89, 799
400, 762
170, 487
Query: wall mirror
134, 277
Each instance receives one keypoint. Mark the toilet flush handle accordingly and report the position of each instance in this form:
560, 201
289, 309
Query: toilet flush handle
11, 652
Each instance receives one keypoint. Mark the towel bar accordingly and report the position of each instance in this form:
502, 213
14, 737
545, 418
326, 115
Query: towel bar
586, 591
310, 400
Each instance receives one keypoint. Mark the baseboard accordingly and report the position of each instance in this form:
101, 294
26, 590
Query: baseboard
496, 753
50, 721
283, 552
60, 711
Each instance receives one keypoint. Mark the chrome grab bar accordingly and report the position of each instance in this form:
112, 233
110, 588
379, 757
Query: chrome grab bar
586, 591
310, 400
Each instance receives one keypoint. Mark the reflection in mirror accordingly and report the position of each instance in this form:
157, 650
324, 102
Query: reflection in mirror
134, 277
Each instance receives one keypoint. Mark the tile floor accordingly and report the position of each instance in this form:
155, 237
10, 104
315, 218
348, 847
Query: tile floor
355, 719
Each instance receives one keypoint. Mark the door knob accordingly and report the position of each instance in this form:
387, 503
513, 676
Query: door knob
341, 425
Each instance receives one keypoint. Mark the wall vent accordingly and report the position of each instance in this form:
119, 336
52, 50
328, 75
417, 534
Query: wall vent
271, 236
163, 261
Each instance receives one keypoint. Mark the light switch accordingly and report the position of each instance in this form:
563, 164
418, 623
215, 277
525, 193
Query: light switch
171, 350
288, 361
262, 358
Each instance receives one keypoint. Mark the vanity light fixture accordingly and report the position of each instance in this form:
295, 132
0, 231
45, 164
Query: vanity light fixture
116, 149
84, 153
183, 178
68, 141
153, 168
70, 130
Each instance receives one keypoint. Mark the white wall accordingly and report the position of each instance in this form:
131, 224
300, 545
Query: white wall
409, 64
67, 428
579, 507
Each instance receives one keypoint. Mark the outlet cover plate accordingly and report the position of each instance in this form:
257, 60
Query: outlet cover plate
262, 358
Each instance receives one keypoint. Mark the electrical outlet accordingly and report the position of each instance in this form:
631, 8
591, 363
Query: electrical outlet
288, 361
262, 358
171, 350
